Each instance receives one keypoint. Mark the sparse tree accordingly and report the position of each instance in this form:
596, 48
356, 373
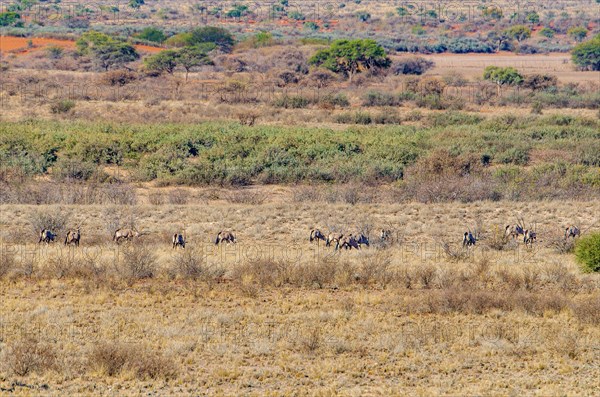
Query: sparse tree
547, 32
221, 37
503, 76
9, 18
90, 39
191, 57
498, 38
135, 4
114, 55
349, 57
533, 18
518, 32
577, 33
164, 61
586, 55
152, 34
540, 81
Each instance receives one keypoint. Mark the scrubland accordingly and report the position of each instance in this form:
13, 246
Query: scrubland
275, 314
170, 117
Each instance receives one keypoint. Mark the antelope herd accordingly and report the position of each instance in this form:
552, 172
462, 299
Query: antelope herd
335, 239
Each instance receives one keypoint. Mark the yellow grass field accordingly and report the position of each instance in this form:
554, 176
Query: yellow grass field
287, 317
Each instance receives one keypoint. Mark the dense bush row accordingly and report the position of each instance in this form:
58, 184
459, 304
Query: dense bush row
231, 154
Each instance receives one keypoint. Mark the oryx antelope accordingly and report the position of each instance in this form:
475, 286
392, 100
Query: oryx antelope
46, 236
178, 240
315, 234
225, 236
347, 242
529, 237
514, 231
468, 239
333, 238
127, 234
73, 236
572, 231
361, 239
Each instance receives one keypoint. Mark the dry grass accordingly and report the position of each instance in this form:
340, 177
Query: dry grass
275, 312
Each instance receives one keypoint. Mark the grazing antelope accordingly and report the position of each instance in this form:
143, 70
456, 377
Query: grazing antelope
572, 231
225, 236
178, 240
468, 239
46, 236
347, 242
315, 234
529, 237
127, 234
514, 231
333, 237
362, 239
73, 237
385, 235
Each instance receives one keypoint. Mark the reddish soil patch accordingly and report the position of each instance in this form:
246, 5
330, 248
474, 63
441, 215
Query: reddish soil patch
19, 44
9, 43
148, 48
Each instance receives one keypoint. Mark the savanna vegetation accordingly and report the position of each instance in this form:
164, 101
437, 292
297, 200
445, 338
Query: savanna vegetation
518, 158
460, 144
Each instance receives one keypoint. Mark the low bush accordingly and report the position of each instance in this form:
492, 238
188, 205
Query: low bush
137, 262
376, 98
416, 65
292, 102
112, 358
29, 355
587, 252
62, 106
53, 219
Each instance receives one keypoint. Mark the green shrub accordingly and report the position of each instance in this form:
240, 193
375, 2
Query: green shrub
376, 98
587, 252
152, 34
74, 169
517, 156
362, 118
416, 65
587, 55
55, 52
340, 100
292, 102
62, 106
388, 116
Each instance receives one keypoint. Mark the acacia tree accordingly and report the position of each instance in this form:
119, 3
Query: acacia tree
191, 57
164, 61
587, 54
90, 39
114, 54
518, 32
135, 4
498, 38
578, 33
188, 57
502, 76
106, 51
221, 37
348, 57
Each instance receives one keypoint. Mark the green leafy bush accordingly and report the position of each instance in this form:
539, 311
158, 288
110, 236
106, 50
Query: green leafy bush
62, 106
587, 252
